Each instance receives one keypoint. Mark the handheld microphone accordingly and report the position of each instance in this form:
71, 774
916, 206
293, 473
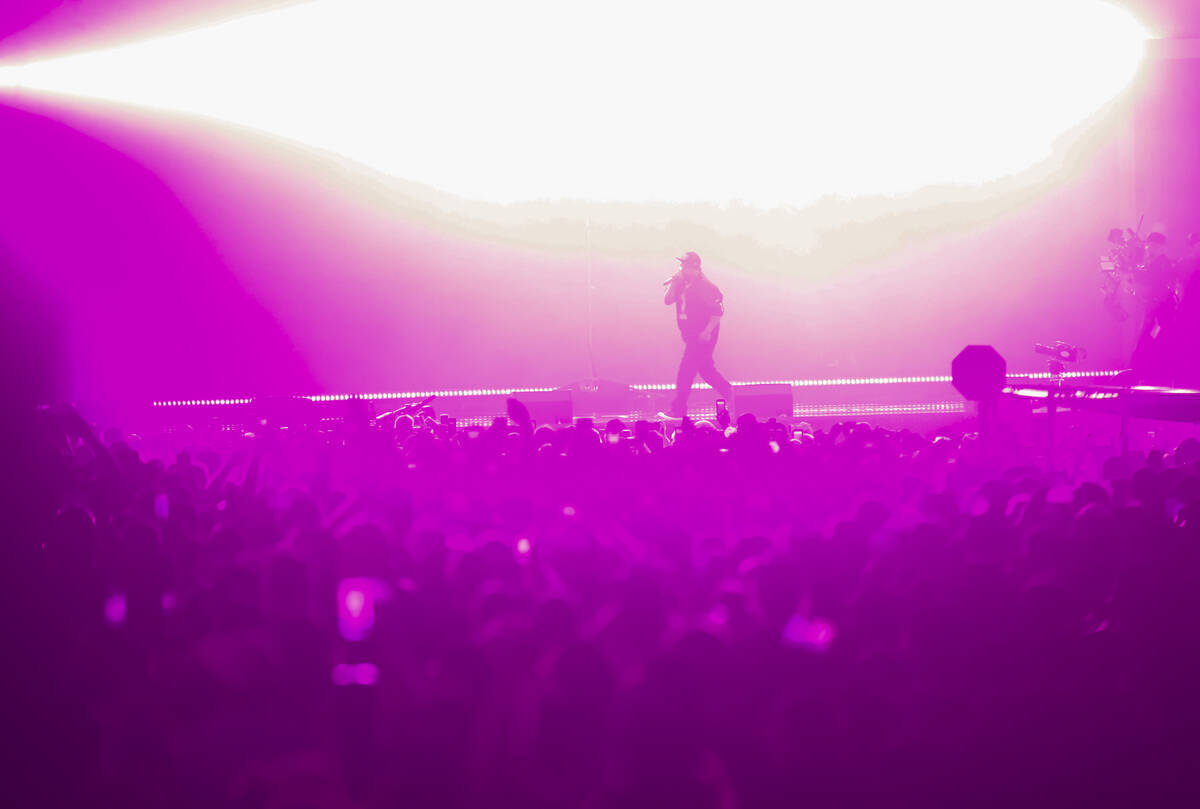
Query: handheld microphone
671, 280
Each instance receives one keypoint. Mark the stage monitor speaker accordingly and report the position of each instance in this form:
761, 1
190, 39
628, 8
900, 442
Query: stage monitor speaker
764, 401
547, 406
292, 412
602, 398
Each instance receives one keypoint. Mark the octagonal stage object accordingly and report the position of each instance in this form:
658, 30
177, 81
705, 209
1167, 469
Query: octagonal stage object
978, 373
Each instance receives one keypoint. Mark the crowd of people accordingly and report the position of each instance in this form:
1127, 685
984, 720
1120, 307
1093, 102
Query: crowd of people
414, 614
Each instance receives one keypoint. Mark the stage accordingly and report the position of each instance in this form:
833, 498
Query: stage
917, 402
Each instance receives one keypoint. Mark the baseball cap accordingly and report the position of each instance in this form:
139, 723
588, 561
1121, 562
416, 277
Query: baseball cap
689, 259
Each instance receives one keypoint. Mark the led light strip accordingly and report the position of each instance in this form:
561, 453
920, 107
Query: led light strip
795, 383
882, 380
816, 383
880, 410
203, 402
799, 411
342, 397
803, 411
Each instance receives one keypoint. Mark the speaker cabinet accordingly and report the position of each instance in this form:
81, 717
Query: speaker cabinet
601, 398
547, 407
764, 401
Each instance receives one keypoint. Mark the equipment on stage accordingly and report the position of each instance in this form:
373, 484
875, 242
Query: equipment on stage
1060, 352
408, 409
1064, 352
1135, 401
978, 373
551, 407
764, 401
1124, 402
601, 397
288, 412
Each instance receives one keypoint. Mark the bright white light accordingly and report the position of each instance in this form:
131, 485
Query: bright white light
536, 99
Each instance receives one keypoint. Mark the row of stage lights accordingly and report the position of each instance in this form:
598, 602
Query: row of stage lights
795, 383
799, 412
819, 383
805, 411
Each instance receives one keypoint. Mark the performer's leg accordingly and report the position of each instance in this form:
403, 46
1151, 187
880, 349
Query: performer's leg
1140, 360
708, 368
1159, 353
685, 376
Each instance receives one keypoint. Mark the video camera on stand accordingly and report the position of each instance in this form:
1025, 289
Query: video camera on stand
1060, 353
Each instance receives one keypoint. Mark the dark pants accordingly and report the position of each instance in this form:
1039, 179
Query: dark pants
1150, 360
698, 359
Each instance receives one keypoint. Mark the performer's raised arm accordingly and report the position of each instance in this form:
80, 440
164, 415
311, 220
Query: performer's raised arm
674, 289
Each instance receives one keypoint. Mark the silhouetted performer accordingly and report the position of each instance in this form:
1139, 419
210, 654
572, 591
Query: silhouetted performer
1155, 284
699, 306
1184, 336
